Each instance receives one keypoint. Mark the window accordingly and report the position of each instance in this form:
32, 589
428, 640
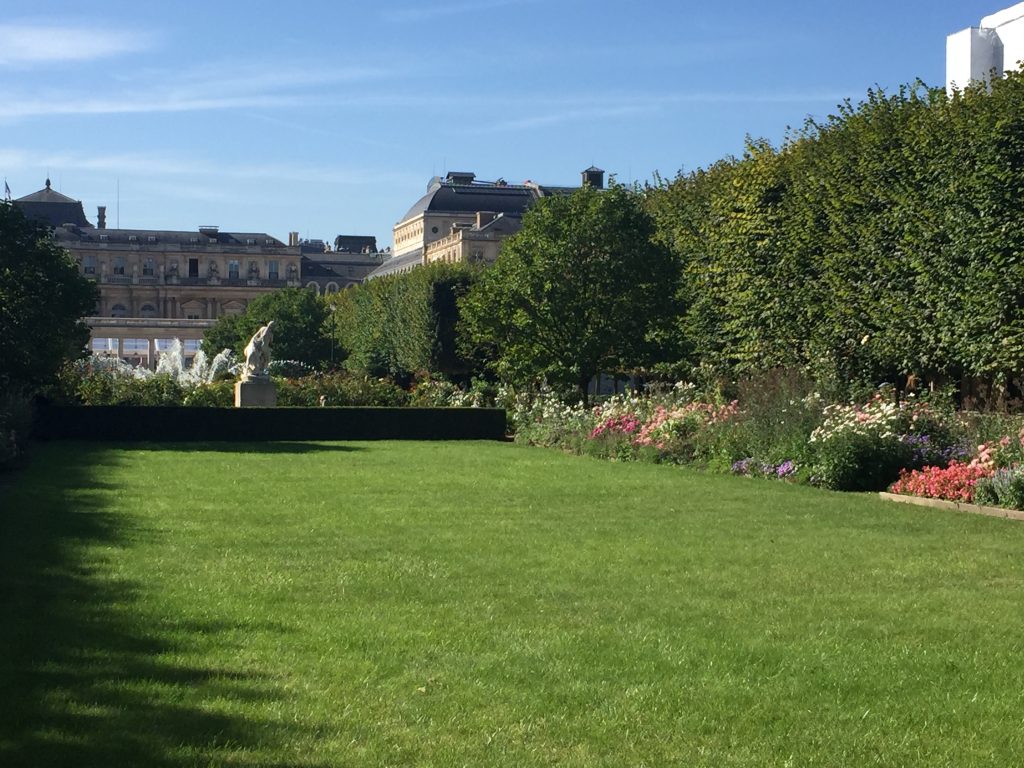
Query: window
233, 270
250, 241
268, 241
193, 239
133, 238
331, 288
119, 265
89, 265
119, 310
191, 346
192, 316
100, 345
272, 270
148, 268
104, 238
193, 267
147, 310
151, 238
313, 287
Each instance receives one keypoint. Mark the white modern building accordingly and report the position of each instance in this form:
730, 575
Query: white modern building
994, 47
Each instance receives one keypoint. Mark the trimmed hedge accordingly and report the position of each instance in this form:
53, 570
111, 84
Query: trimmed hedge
179, 424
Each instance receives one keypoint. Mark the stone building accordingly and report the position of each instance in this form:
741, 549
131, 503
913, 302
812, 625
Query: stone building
158, 285
994, 47
463, 219
325, 270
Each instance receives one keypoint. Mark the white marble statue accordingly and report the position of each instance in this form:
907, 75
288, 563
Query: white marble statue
257, 352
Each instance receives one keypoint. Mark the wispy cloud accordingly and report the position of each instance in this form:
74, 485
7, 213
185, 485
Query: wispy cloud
268, 85
27, 44
539, 114
429, 11
170, 166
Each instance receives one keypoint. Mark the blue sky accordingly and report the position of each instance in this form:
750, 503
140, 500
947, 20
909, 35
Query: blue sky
331, 117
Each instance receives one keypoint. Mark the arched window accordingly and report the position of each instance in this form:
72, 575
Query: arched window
331, 288
147, 310
119, 310
313, 287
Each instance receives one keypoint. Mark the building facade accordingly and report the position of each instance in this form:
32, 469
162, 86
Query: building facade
325, 270
461, 218
160, 285
993, 48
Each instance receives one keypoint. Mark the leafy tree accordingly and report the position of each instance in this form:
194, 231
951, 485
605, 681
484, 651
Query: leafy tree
404, 325
300, 327
42, 301
582, 288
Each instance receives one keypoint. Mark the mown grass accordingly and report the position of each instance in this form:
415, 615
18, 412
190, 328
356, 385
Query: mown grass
388, 604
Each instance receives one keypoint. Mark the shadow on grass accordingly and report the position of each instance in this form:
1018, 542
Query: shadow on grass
87, 677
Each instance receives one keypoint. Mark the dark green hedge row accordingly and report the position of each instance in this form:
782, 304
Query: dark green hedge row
883, 242
169, 424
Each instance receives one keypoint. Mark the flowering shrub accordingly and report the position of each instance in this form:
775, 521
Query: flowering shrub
1003, 488
750, 467
953, 483
863, 447
627, 424
669, 430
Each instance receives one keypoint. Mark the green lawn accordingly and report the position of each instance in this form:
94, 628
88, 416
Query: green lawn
483, 604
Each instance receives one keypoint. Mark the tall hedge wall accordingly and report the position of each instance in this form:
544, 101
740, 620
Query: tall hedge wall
883, 242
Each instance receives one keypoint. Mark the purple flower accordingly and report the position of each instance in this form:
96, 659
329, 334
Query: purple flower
742, 467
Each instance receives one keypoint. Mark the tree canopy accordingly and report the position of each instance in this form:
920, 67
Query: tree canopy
300, 331
582, 288
402, 325
42, 301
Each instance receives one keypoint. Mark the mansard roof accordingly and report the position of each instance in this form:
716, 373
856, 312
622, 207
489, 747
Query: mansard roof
52, 208
165, 237
449, 197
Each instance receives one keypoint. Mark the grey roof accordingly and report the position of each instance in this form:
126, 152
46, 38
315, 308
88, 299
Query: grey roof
168, 237
398, 264
339, 268
53, 208
444, 196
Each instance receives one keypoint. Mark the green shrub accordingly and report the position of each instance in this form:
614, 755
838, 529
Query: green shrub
15, 427
855, 461
1005, 488
217, 394
339, 389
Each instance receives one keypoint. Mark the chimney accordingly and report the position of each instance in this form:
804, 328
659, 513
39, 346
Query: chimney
593, 177
483, 218
293, 239
101, 217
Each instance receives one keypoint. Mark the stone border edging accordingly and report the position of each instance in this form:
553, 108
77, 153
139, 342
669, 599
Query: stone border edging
956, 506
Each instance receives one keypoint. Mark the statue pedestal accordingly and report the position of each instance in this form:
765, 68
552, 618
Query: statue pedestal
255, 392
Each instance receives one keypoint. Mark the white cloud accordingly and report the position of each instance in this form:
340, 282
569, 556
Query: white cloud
26, 44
